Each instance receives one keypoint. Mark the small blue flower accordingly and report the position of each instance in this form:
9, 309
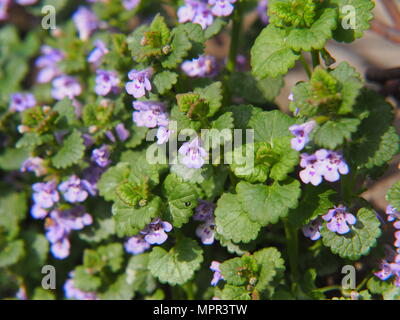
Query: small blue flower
339, 220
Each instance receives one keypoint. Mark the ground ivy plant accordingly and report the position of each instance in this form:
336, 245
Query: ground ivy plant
141, 166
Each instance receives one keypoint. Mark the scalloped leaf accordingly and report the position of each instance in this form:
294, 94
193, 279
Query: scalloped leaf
71, 151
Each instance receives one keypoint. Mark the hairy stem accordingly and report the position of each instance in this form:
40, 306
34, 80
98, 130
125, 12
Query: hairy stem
305, 65
235, 36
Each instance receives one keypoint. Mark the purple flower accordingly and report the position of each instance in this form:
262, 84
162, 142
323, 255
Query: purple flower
155, 232
101, 156
59, 226
204, 210
106, 82
206, 231
73, 190
97, 53
163, 134
65, 86
86, 22
312, 230
37, 212
22, 101
204, 66
301, 132
397, 241
26, 2
121, 131
338, 219
322, 164
262, 11
217, 273
130, 4
91, 176
221, 8
45, 194
71, 292
136, 245
47, 64
4, 5
193, 154
392, 213
139, 84
34, 164
196, 12
150, 114
385, 272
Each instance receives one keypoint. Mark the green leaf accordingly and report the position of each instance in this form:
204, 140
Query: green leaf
182, 199
266, 204
132, 194
130, 220
269, 125
235, 293
86, 281
177, 265
138, 135
11, 252
214, 28
12, 159
66, 112
110, 179
112, 255
363, 15
179, 47
71, 151
164, 81
138, 274
213, 95
238, 271
334, 133
119, 289
358, 241
393, 195
270, 55
230, 214
13, 209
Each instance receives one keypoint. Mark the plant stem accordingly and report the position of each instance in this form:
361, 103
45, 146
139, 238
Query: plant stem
305, 65
293, 252
329, 288
315, 58
235, 36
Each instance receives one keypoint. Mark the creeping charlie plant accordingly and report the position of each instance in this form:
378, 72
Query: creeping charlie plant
136, 164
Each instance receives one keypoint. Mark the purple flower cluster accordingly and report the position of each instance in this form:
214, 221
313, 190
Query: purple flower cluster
121, 132
45, 196
154, 233
21, 101
203, 12
34, 164
86, 22
101, 156
59, 226
150, 114
205, 212
301, 133
339, 220
71, 292
217, 273
106, 82
47, 64
193, 154
323, 163
204, 66
130, 4
65, 86
139, 82
73, 190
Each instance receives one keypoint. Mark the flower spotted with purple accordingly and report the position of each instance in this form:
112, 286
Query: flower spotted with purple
34, 164
86, 22
97, 53
339, 220
204, 66
196, 12
122, 132
163, 134
193, 154
301, 133
221, 8
73, 190
206, 231
106, 82
313, 229
204, 210
392, 213
136, 244
47, 64
65, 86
217, 273
150, 114
139, 83
101, 156
323, 163
385, 272
156, 231
45, 196
21, 101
